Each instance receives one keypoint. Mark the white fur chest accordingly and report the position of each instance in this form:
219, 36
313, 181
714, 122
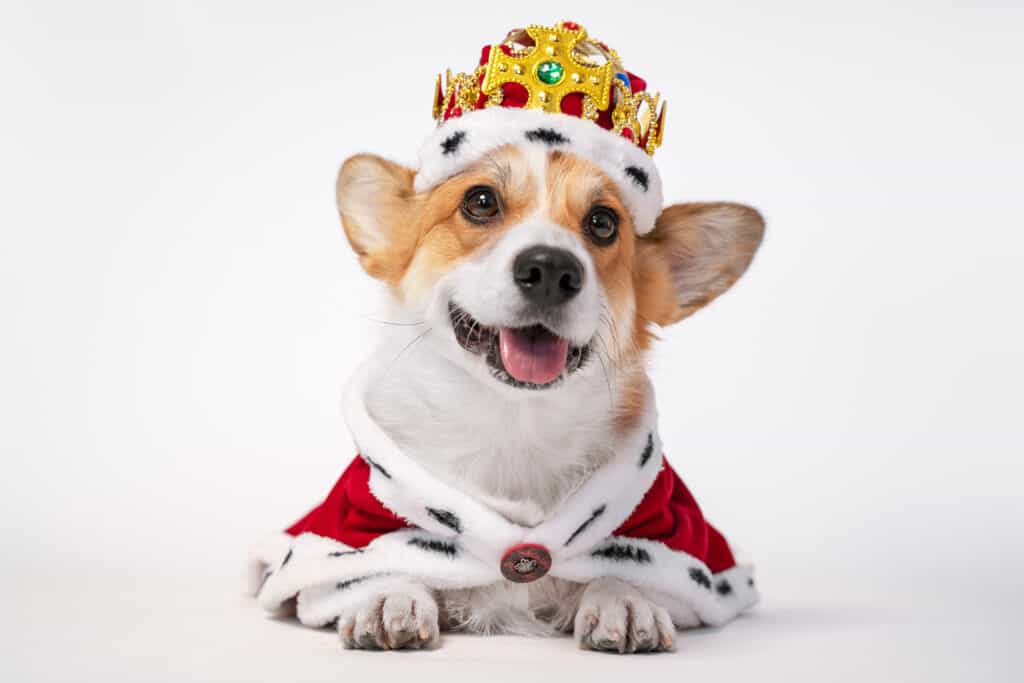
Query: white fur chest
520, 455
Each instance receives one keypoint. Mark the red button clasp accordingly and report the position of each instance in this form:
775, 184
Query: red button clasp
525, 563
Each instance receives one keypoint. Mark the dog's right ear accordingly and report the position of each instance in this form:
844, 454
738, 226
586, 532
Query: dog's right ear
377, 206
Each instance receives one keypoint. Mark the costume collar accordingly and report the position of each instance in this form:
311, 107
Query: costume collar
585, 518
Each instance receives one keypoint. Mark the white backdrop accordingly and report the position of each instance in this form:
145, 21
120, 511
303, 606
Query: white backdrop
179, 309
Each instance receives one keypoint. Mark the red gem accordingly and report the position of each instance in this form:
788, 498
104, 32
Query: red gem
571, 25
525, 563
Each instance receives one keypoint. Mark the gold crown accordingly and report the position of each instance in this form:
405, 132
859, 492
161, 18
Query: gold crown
548, 63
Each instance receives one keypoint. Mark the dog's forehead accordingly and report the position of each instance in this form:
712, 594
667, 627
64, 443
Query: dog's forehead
529, 169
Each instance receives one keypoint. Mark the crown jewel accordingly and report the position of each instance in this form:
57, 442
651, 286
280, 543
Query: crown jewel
556, 69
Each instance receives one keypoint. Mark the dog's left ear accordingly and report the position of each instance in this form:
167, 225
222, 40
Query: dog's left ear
694, 253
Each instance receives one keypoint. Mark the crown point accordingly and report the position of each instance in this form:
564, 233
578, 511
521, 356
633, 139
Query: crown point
438, 98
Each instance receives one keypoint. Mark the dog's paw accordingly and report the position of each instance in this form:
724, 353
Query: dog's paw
613, 616
400, 616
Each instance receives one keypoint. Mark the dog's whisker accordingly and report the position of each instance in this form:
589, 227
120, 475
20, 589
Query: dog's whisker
607, 380
405, 348
396, 323
609, 322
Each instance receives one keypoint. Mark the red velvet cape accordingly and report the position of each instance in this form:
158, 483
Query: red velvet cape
668, 514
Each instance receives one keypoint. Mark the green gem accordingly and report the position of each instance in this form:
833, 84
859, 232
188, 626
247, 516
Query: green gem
550, 72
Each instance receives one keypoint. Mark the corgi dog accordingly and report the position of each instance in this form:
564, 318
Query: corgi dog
510, 477
536, 301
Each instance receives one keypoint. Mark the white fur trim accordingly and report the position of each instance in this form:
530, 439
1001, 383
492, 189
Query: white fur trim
488, 129
618, 487
325, 576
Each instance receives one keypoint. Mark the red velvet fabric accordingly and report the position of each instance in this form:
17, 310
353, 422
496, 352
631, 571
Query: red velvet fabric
350, 514
668, 514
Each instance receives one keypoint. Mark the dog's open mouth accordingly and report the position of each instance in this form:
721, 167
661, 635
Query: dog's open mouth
529, 357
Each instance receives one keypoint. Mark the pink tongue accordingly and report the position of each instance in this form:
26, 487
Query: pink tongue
537, 361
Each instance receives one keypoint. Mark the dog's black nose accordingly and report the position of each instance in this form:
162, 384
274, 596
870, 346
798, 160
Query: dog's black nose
548, 276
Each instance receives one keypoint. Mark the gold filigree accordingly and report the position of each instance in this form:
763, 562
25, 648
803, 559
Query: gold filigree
552, 46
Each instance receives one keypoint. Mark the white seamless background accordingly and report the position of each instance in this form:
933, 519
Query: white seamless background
179, 310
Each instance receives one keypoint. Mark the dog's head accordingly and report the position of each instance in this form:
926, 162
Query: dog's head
527, 266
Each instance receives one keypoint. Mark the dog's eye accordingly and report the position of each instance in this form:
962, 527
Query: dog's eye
601, 225
480, 204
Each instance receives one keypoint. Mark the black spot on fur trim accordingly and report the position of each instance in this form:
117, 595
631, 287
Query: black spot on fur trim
623, 553
373, 463
648, 450
343, 553
723, 587
750, 582
582, 527
450, 144
286, 558
435, 546
700, 577
342, 585
447, 518
548, 136
638, 176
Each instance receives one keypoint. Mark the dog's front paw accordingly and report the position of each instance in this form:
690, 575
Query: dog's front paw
395, 617
613, 616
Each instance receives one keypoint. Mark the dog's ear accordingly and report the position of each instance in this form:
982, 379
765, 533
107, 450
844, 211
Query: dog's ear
376, 201
694, 253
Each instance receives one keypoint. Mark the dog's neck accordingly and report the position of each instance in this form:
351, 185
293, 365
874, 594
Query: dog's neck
521, 455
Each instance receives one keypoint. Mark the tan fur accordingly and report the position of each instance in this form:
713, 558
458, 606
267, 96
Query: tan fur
446, 237
425, 235
574, 187
409, 241
378, 211
632, 398
694, 254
